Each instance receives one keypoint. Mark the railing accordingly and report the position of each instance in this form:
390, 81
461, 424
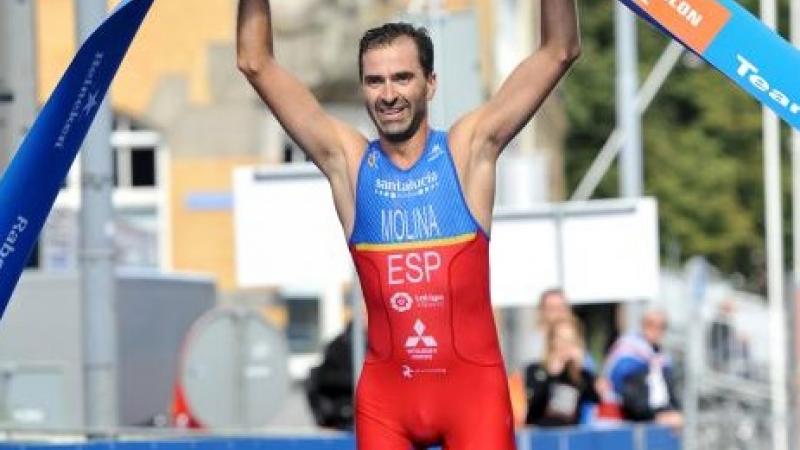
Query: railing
622, 437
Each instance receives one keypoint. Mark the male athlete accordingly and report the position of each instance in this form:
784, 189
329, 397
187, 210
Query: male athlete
416, 206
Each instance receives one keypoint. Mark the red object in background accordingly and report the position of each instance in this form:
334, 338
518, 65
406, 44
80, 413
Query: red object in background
180, 414
609, 411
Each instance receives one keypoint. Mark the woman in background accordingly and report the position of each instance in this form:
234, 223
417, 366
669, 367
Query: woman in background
559, 386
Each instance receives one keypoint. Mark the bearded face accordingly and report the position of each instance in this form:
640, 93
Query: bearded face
395, 89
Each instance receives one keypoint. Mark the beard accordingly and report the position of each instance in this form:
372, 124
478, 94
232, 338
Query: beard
400, 131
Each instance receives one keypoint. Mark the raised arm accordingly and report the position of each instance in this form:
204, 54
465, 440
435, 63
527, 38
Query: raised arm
480, 136
521, 95
325, 139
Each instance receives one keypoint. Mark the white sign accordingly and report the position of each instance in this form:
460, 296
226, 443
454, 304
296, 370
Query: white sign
287, 231
598, 251
288, 236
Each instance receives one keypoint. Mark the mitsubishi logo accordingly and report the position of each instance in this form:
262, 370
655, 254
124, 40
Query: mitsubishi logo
414, 341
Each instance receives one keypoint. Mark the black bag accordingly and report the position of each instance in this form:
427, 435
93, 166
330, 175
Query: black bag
636, 398
329, 387
332, 407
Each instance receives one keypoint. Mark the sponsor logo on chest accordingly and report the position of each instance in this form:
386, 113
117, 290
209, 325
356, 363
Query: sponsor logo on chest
413, 187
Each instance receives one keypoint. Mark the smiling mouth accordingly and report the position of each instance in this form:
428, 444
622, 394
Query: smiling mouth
391, 113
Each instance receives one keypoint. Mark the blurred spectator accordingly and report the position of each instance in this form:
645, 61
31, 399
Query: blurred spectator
640, 375
553, 306
329, 387
559, 386
729, 348
723, 337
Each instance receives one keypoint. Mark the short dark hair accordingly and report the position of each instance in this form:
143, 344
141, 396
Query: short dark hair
385, 34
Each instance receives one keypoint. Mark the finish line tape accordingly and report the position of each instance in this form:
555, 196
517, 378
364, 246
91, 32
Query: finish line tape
737, 44
31, 182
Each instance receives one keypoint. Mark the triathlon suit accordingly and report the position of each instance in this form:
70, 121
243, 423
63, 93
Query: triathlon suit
433, 373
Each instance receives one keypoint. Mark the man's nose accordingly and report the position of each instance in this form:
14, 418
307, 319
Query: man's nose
388, 93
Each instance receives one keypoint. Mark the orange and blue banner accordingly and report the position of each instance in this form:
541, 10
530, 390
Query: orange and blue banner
31, 182
737, 44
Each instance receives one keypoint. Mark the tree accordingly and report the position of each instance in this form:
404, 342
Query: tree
701, 140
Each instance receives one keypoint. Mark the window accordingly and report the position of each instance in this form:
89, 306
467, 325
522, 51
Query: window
143, 167
302, 330
134, 156
292, 153
134, 167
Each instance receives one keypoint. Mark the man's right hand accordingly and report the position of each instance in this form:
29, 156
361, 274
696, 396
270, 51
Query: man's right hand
671, 418
332, 145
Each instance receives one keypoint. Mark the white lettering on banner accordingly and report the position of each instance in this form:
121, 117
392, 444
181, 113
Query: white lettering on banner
400, 225
79, 109
413, 267
9, 245
685, 9
749, 71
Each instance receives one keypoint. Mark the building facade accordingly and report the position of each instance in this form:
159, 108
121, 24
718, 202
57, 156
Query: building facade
185, 119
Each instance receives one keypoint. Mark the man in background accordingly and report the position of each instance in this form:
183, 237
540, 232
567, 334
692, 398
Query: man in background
640, 375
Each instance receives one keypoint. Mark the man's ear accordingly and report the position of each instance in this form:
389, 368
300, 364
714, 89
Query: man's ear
432, 84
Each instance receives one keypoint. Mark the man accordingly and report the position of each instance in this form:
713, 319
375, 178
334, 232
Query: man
416, 206
723, 338
640, 375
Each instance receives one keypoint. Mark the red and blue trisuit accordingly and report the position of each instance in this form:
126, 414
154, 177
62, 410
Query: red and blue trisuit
433, 373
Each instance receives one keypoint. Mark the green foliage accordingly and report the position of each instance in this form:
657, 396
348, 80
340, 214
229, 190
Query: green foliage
702, 146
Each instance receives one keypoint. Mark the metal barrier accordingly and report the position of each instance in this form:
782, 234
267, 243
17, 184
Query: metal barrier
616, 438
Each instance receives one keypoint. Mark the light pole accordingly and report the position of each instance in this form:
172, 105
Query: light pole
775, 287
629, 122
97, 264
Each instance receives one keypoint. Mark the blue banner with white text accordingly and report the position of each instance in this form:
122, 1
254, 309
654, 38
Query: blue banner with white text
737, 44
32, 180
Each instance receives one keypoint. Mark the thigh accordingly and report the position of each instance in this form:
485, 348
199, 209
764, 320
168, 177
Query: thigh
493, 433
372, 434
480, 416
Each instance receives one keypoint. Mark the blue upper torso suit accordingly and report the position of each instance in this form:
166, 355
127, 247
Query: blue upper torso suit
421, 203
